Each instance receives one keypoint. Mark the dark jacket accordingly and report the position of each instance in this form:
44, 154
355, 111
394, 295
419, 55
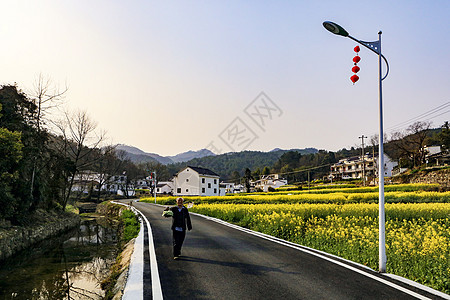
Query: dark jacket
179, 219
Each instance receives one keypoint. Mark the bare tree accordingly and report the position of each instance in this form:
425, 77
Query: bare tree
79, 140
110, 162
45, 96
410, 144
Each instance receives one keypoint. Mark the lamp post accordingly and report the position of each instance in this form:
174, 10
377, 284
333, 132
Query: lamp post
376, 48
154, 184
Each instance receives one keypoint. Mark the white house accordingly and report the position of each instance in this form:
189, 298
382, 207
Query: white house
238, 188
164, 187
267, 181
195, 181
226, 188
355, 167
86, 181
431, 150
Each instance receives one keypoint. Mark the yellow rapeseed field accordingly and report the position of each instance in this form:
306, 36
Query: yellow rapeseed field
417, 234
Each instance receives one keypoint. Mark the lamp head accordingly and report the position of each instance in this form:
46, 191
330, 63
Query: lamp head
335, 28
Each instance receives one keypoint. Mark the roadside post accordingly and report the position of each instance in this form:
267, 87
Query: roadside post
376, 48
154, 184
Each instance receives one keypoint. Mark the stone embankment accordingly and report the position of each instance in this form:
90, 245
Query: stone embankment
117, 279
441, 177
43, 224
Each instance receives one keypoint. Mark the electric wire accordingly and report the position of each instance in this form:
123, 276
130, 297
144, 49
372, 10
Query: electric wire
422, 116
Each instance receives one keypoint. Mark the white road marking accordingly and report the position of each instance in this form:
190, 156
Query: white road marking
314, 252
156, 282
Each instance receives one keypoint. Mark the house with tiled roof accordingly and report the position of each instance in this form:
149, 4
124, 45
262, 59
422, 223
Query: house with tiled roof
196, 181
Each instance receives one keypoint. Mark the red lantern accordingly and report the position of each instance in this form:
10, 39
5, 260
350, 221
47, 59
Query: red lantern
357, 49
356, 59
354, 78
355, 69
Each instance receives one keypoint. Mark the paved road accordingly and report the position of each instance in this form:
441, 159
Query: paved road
220, 262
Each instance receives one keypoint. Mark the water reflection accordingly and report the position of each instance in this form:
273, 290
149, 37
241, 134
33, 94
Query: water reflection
70, 266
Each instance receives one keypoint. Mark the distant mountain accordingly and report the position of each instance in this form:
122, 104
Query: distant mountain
136, 155
186, 156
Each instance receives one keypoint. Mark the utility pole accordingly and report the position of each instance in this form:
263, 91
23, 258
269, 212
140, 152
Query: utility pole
363, 162
308, 183
154, 185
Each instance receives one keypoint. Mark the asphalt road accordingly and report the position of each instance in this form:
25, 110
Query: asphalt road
220, 262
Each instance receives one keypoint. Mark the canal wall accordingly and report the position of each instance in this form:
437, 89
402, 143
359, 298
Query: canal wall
114, 285
43, 224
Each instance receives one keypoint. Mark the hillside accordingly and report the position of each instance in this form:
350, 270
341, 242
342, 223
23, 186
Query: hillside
226, 164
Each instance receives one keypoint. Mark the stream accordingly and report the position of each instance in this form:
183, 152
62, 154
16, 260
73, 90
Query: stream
70, 266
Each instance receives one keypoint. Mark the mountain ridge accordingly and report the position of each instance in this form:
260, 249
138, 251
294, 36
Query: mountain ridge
137, 155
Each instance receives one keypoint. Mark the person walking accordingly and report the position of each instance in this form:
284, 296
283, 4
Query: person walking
180, 222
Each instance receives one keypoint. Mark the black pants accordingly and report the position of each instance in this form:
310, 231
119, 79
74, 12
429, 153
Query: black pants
178, 239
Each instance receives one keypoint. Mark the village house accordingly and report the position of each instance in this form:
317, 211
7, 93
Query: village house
227, 188
89, 181
360, 166
269, 181
196, 181
435, 156
164, 187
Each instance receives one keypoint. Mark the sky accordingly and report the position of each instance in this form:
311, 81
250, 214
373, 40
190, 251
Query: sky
173, 76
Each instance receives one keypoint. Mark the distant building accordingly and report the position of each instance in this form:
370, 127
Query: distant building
196, 181
88, 181
355, 167
270, 181
164, 187
226, 188
238, 188
431, 150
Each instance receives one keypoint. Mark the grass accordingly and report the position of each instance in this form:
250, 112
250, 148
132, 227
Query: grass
130, 225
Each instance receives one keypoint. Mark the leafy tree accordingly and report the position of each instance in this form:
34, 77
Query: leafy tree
78, 142
444, 136
10, 153
247, 179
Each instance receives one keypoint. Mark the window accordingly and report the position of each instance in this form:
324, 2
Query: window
209, 185
178, 190
203, 190
187, 179
215, 191
203, 180
187, 190
215, 181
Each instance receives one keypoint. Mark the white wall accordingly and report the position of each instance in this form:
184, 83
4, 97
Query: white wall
209, 186
187, 183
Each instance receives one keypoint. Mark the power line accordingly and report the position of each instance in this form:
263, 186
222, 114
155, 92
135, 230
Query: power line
438, 115
303, 170
421, 116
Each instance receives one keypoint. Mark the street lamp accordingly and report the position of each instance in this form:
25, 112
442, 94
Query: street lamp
376, 48
154, 184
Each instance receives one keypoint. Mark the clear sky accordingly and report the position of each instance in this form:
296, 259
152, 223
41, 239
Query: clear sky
173, 76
